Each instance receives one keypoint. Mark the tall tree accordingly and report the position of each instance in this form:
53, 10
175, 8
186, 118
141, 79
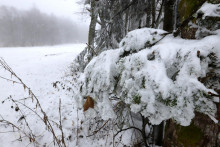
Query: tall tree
169, 15
92, 26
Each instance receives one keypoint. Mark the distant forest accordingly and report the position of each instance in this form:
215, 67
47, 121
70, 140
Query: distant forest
34, 28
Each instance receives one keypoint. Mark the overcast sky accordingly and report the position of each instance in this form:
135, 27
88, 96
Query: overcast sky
67, 8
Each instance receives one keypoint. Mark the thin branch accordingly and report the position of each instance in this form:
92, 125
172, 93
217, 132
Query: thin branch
61, 127
96, 131
77, 128
9, 132
89, 46
45, 117
128, 129
13, 125
128, 6
159, 15
10, 80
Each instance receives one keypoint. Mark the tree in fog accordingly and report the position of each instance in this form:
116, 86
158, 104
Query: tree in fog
34, 28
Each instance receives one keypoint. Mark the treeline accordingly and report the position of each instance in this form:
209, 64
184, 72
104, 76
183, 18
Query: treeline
34, 28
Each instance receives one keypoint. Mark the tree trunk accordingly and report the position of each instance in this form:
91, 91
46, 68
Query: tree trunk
158, 134
169, 15
92, 25
153, 13
149, 14
158, 130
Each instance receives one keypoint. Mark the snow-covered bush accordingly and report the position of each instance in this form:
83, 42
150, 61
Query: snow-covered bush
207, 20
160, 82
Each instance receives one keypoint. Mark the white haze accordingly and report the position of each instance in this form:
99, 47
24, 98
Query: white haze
68, 9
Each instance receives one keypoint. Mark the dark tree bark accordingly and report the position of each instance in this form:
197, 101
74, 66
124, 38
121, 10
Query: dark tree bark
149, 14
158, 134
153, 13
168, 26
169, 15
92, 25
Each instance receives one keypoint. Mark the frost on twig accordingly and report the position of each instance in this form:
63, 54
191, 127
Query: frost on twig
20, 105
161, 87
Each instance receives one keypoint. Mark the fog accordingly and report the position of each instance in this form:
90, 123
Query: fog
35, 28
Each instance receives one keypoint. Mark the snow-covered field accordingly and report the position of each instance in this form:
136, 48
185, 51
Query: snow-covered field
38, 67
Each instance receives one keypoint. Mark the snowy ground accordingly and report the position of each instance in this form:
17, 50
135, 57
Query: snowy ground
38, 67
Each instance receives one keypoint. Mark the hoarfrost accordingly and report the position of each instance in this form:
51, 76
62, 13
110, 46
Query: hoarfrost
160, 82
210, 10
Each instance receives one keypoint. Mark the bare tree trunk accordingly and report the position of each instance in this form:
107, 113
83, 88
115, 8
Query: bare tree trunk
168, 26
126, 22
169, 16
149, 14
158, 20
92, 25
153, 13
158, 134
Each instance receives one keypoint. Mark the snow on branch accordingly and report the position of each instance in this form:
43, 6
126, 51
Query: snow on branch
160, 82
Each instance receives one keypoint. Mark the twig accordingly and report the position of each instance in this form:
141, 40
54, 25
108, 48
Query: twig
159, 15
127, 129
29, 109
91, 49
45, 117
61, 127
118, 13
13, 125
96, 131
8, 132
77, 129
10, 80
129, 5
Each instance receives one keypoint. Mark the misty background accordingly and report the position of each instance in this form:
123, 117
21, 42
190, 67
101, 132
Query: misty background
35, 28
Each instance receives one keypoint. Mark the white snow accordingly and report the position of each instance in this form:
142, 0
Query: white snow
38, 67
160, 82
209, 9
138, 39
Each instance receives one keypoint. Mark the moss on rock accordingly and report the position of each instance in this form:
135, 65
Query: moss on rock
214, 1
190, 136
187, 7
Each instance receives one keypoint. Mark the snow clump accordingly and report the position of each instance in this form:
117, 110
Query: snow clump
160, 82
